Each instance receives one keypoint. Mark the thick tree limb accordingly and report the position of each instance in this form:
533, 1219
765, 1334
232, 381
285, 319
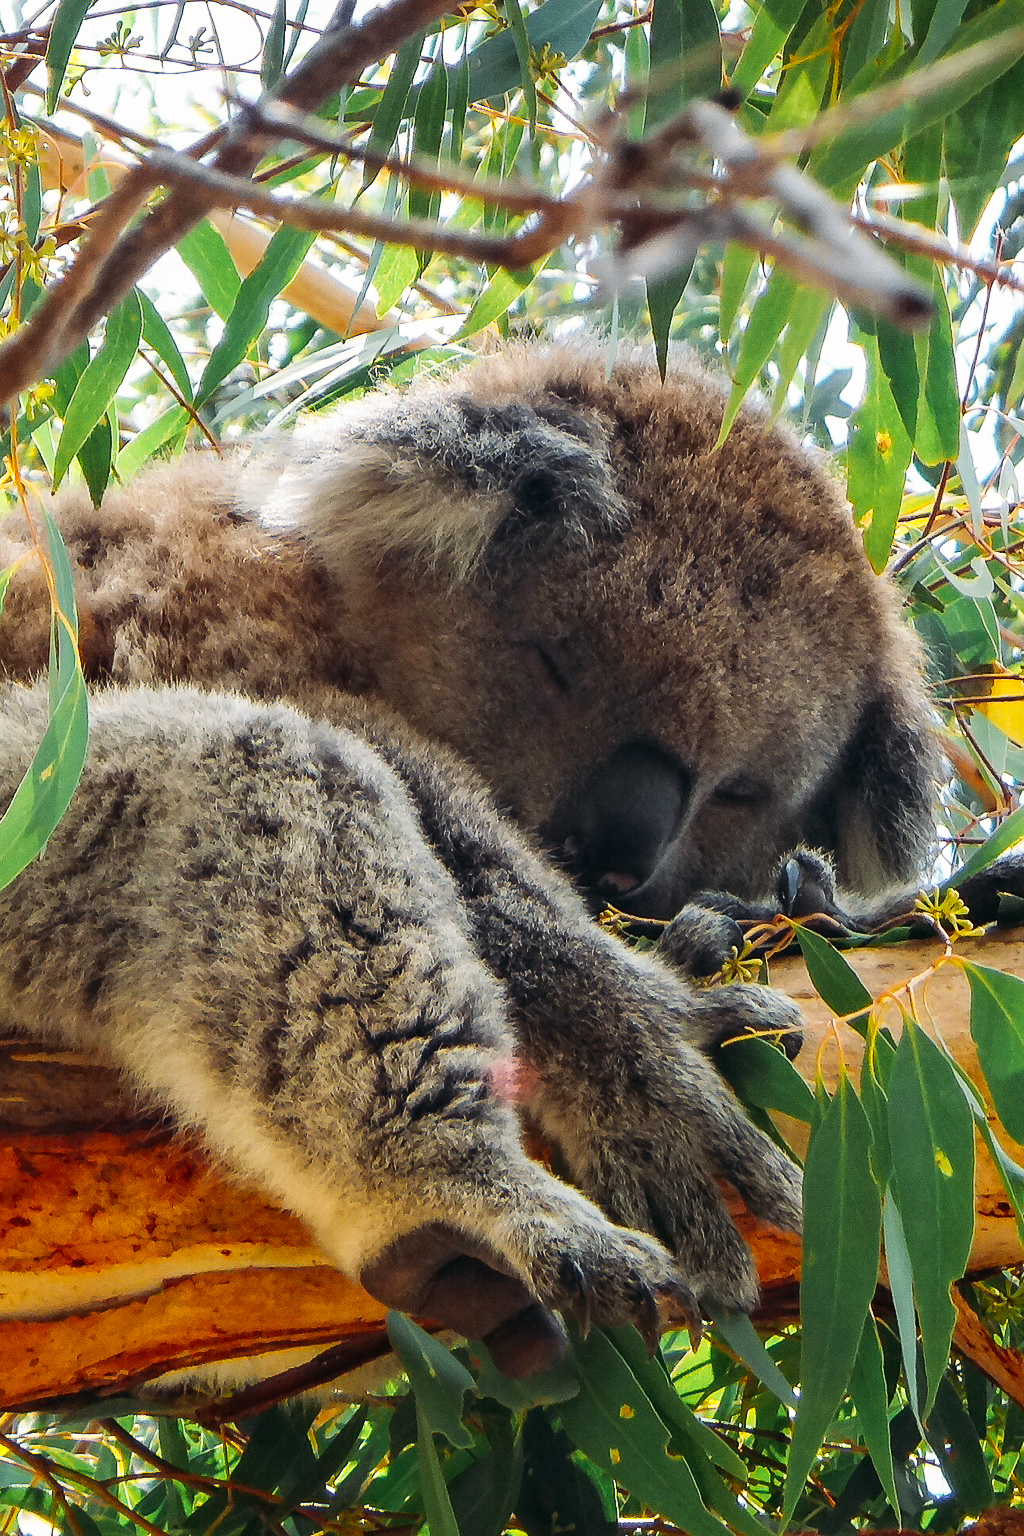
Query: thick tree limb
124, 1255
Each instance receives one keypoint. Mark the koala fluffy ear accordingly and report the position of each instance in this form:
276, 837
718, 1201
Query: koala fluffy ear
440, 479
879, 813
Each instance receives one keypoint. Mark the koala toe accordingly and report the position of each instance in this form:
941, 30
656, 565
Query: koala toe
603, 1274
532, 1340
720, 1014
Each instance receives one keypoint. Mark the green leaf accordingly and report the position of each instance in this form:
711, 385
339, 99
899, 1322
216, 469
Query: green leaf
835, 980
663, 295
560, 1491
975, 142
1006, 836
146, 444
793, 349
705, 1453
653, 1378
5, 581
394, 103
248, 318
878, 458
157, 333
865, 37
954, 1440
484, 1493
937, 437
767, 319
839, 1272
502, 291
428, 128
44, 794
554, 1385
841, 160
517, 28
931, 1133
901, 1289
875, 1071
997, 1028
437, 1506
64, 28
738, 1332
738, 263
1010, 1173
761, 1076
272, 62
871, 1400
99, 382
398, 268
897, 357
96, 455
203, 251
614, 1423
772, 25
64, 659
565, 25
686, 57
439, 1381
808, 70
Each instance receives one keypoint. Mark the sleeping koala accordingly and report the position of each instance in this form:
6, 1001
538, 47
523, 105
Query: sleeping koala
523, 617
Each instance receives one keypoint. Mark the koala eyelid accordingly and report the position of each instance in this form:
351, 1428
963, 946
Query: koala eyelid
740, 792
551, 657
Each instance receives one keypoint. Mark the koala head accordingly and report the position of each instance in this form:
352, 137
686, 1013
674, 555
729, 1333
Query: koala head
669, 660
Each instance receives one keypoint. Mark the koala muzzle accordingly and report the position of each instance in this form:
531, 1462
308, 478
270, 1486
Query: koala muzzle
614, 833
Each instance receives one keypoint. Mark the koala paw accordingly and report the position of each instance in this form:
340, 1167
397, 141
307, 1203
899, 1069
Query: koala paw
701, 936
659, 1156
561, 1255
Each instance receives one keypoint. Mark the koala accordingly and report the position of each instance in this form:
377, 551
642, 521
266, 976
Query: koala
385, 710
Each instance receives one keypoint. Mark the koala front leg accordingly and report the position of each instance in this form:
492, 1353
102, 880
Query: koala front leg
240, 910
618, 1049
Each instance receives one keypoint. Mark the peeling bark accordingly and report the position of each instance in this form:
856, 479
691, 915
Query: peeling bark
125, 1255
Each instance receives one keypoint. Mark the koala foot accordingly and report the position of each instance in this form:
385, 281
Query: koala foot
654, 1159
543, 1258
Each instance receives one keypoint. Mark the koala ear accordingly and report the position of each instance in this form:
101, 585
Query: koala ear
439, 479
880, 810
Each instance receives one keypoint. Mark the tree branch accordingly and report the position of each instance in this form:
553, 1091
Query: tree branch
123, 1255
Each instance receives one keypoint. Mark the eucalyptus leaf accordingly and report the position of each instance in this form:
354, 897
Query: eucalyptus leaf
439, 1381
871, 1400
839, 1272
997, 1028
62, 32
615, 1424
99, 381
931, 1133
835, 980
204, 252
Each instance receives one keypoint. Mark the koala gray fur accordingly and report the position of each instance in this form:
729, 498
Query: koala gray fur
334, 960
327, 944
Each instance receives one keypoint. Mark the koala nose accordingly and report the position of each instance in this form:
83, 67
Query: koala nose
612, 832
